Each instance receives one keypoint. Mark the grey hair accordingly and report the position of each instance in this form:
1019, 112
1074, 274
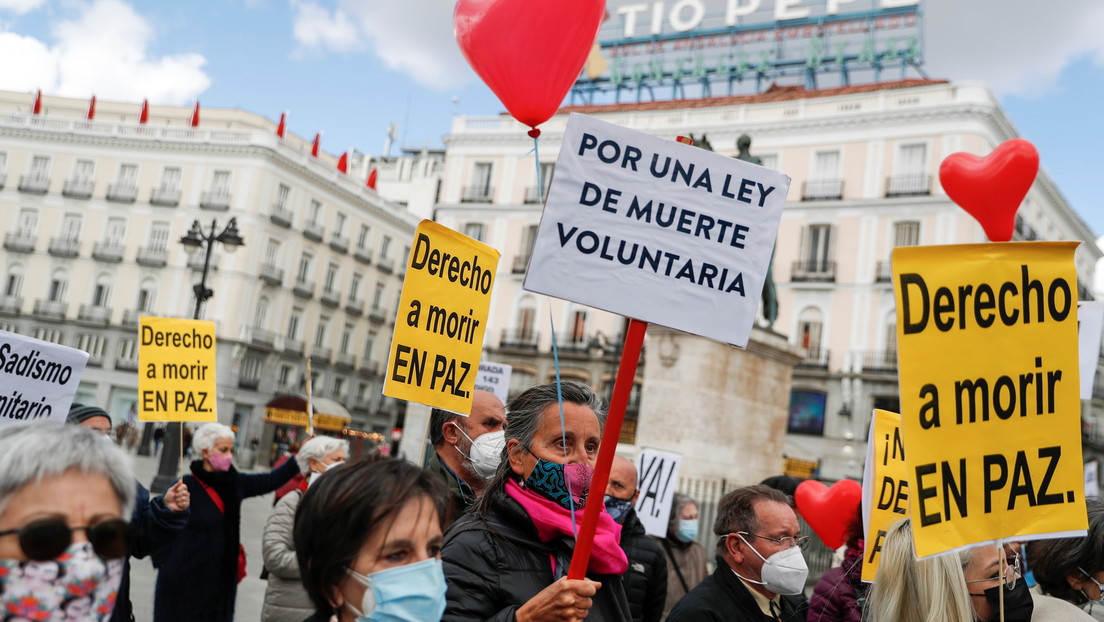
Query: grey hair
523, 419
207, 434
30, 453
736, 510
318, 447
678, 501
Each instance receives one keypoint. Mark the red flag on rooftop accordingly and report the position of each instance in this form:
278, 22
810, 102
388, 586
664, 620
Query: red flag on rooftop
195, 116
143, 116
91, 109
37, 109
317, 144
343, 163
282, 127
372, 177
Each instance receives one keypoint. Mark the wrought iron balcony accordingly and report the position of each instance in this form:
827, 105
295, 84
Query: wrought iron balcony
814, 271
11, 305
64, 247
281, 215
912, 185
822, 190
19, 242
330, 298
523, 339
262, 337
303, 288
884, 272
521, 262
345, 359
131, 316
34, 184
532, 194
370, 367
477, 194
386, 265
293, 346
377, 314
321, 354
339, 243
122, 193
153, 256
93, 314
880, 360
215, 200
354, 307
363, 254
78, 188
271, 274
165, 197
815, 358
50, 309
313, 231
108, 251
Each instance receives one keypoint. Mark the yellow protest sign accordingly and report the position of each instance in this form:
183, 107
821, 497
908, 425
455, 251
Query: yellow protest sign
885, 486
176, 370
987, 352
442, 316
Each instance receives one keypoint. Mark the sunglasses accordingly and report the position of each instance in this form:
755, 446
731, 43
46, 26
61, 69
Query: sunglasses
46, 539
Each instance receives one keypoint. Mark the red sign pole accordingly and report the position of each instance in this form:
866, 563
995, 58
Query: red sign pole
626, 373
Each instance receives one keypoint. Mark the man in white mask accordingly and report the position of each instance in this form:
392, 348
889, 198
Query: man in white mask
467, 449
763, 574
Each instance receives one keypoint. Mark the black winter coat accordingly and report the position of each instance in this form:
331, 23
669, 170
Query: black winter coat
191, 583
496, 564
724, 598
152, 527
646, 579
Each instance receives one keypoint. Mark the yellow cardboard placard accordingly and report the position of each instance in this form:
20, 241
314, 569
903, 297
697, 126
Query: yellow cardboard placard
991, 415
176, 370
886, 494
441, 319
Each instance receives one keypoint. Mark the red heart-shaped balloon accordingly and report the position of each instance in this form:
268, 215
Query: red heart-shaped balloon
992, 188
529, 52
829, 511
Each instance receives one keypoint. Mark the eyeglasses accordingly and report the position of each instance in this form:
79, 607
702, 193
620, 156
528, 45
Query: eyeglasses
46, 539
1013, 567
786, 542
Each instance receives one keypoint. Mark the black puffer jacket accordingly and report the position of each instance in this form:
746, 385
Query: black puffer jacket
646, 579
494, 565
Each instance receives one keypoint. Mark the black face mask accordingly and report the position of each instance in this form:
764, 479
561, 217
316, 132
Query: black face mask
1017, 602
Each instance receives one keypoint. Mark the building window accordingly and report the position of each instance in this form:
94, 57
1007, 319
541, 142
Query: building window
346, 338
314, 214
28, 222
59, 286
816, 255
369, 345
220, 183
115, 232
304, 268
806, 412
40, 167
84, 171
53, 335
14, 283
578, 327
527, 319
906, 233
385, 247
354, 287
480, 188
128, 176
475, 230
159, 236
769, 160
71, 227
824, 179
260, 318
331, 277
377, 298
272, 251
339, 223
910, 177
810, 327
282, 193
293, 323
170, 178
147, 295
320, 331
101, 293
363, 238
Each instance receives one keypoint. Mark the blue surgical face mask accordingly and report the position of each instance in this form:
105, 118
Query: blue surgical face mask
618, 509
410, 593
687, 529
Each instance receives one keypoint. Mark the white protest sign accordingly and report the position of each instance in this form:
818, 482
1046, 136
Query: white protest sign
657, 473
38, 379
1090, 316
657, 230
1092, 481
495, 378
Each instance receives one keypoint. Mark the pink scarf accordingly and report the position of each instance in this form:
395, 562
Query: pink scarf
552, 521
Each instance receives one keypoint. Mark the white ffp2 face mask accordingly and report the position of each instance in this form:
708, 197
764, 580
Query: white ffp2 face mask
784, 572
486, 451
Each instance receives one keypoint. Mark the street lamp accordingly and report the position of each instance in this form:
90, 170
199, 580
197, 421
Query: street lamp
195, 240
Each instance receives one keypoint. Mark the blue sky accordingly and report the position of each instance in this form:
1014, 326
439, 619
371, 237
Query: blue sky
352, 67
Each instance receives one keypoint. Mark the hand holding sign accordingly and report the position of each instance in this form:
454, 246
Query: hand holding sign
991, 188
829, 511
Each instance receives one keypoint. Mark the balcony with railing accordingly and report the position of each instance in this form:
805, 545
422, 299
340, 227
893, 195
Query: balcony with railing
153, 256
281, 215
126, 363
912, 185
354, 307
814, 271
815, 358
822, 190
262, 337
19, 242
108, 251
377, 314
271, 274
321, 354
330, 298
50, 309
303, 288
78, 188
122, 193
345, 359
884, 272
363, 254
165, 197
293, 346
64, 247
519, 339
313, 231
11, 305
34, 184
521, 262
131, 316
369, 367
339, 243
386, 265
1023, 232
477, 194
879, 361
218, 200
533, 195
250, 381
94, 314
572, 344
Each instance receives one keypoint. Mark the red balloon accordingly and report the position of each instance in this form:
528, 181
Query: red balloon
529, 52
992, 188
829, 511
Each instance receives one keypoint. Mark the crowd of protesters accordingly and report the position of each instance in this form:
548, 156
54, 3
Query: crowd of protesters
485, 531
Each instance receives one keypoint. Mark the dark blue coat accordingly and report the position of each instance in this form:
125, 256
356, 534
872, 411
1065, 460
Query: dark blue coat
191, 586
152, 527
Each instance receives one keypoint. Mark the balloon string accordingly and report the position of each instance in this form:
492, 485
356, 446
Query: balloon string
536, 159
563, 427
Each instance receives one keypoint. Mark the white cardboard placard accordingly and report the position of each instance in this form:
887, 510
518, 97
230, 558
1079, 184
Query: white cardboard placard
38, 379
495, 378
657, 473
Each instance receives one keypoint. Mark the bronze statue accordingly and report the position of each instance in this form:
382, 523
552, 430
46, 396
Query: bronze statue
769, 299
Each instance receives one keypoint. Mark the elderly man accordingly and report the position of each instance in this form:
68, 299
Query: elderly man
646, 580
763, 574
468, 449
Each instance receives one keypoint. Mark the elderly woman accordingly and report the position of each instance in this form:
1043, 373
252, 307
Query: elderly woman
507, 558
686, 559
368, 541
285, 599
198, 573
1072, 569
64, 493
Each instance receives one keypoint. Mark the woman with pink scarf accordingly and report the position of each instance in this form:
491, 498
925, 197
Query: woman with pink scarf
507, 559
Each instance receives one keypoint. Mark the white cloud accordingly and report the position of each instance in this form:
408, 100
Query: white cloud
103, 50
1017, 46
20, 6
413, 37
